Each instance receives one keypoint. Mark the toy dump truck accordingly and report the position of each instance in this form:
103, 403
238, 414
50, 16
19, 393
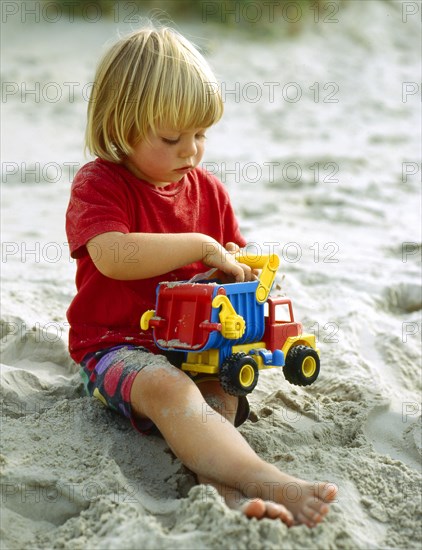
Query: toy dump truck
232, 331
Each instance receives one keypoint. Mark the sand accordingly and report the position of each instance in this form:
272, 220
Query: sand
329, 186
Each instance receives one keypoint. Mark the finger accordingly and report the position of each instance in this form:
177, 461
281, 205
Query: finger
233, 248
249, 275
236, 270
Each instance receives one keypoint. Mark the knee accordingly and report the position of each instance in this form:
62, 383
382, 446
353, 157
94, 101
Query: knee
218, 400
158, 381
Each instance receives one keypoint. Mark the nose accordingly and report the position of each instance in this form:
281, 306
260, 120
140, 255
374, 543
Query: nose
188, 149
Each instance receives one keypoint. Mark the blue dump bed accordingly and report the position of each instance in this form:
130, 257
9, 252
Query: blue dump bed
186, 320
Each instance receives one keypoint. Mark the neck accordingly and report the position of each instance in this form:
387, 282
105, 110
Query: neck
136, 172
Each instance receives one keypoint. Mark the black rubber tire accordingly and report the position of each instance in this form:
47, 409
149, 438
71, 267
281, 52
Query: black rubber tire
295, 368
231, 377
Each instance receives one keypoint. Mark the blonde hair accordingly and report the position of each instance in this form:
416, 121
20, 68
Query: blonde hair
150, 78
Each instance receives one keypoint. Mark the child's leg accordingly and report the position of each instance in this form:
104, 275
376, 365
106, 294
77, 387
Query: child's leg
215, 450
218, 402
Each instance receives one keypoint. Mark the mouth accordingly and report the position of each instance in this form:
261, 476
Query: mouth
184, 169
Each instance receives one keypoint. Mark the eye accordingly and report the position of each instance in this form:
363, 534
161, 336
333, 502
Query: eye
170, 141
200, 136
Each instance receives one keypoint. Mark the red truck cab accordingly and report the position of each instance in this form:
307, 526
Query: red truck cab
278, 330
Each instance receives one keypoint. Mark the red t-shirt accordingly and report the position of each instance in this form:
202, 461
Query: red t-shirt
108, 197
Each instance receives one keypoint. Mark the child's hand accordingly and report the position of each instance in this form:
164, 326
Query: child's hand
225, 261
234, 249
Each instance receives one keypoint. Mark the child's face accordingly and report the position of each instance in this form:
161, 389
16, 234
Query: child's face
167, 156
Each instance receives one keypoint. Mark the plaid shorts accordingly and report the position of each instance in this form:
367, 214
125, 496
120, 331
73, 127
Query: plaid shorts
108, 375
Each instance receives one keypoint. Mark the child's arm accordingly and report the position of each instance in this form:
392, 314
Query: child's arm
131, 256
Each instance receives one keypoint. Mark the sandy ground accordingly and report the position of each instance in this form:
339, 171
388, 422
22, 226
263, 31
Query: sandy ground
327, 171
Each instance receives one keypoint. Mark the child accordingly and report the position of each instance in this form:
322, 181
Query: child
143, 212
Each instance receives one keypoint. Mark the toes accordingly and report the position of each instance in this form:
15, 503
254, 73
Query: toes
327, 492
304, 520
316, 507
312, 514
319, 507
315, 515
253, 508
258, 508
274, 511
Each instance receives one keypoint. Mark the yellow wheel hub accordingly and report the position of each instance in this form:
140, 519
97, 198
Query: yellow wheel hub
309, 366
246, 375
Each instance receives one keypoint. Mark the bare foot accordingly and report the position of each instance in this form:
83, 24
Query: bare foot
308, 502
302, 503
251, 507
294, 502
258, 508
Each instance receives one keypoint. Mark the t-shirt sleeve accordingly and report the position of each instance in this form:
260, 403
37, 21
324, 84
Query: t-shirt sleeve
231, 227
97, 205
230, 223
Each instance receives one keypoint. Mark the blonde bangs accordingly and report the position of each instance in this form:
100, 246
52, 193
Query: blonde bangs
152, 78
187, 95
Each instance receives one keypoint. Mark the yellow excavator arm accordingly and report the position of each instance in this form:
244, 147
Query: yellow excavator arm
268, 263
